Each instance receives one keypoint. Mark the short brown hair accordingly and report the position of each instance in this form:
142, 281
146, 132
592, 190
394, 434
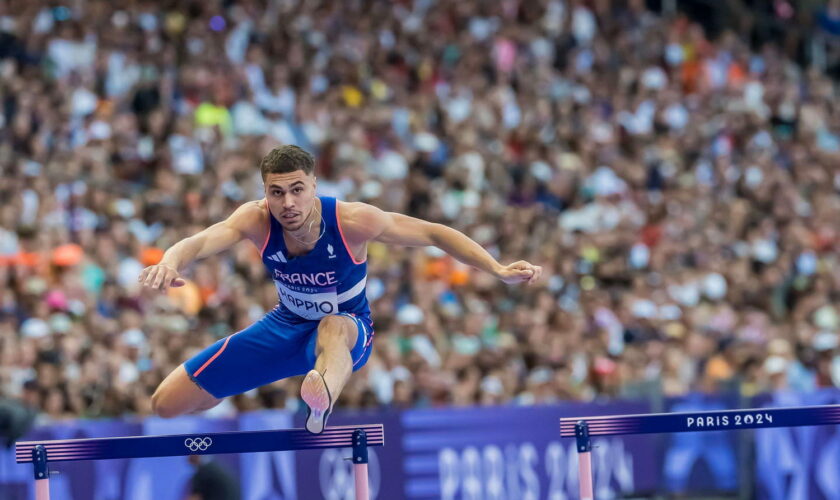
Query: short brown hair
287, 159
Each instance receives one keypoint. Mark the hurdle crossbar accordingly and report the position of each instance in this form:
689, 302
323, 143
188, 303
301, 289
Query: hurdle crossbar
357, 437
584, 428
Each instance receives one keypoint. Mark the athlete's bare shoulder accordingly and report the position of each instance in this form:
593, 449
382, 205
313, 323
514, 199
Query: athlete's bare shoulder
359, 221
347, 210
351, 215
251, 219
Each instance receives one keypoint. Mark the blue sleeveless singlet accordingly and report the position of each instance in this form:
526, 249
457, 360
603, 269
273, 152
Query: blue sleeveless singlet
326, 280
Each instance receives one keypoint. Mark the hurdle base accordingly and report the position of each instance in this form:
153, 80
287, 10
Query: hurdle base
42, 474
584, 449
360, 464
42, 489
360, 475
585, 476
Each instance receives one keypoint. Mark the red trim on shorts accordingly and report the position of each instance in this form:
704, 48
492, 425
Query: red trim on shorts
207, 363
343, 239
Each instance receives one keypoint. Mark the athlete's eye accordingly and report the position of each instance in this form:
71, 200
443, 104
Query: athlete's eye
298, 190
276, 193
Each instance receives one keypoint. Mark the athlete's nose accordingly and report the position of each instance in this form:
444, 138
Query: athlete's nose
288, 201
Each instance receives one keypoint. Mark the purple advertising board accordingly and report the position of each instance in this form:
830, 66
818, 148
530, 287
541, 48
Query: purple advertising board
471, 453
140, 479
328, 474
485, 453
699, 462
798, 463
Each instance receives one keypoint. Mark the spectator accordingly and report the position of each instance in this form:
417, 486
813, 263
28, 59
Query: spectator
211, 481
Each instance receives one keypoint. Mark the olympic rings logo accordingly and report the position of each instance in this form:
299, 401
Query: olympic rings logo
198, 444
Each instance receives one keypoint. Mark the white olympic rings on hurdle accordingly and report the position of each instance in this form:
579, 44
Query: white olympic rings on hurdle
198, 444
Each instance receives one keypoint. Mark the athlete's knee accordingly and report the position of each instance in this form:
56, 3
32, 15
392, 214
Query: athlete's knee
166, 404
162, 404
333, 322
335, 330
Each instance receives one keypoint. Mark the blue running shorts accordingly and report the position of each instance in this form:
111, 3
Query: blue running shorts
271, 349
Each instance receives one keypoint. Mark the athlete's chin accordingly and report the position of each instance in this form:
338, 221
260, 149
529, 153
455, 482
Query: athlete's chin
293, 226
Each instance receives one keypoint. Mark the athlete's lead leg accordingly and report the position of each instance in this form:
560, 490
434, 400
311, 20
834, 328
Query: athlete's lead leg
336, 337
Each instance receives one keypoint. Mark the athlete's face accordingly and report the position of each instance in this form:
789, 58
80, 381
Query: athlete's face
290, 197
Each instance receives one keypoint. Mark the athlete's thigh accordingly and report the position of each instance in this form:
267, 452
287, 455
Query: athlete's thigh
177, 394
264, 352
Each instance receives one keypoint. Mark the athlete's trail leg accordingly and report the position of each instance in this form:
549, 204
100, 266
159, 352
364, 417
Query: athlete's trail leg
178, 394
336, 337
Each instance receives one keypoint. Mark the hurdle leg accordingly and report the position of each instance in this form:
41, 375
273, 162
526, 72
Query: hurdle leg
584, 448
42, 475
360, 464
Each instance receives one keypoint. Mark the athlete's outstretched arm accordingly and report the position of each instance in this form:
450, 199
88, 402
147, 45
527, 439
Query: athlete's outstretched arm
367, 223
210, 241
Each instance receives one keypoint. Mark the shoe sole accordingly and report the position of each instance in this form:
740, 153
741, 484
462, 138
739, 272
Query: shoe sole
316, 395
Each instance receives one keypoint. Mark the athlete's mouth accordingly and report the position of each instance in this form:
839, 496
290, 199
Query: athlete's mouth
288, 216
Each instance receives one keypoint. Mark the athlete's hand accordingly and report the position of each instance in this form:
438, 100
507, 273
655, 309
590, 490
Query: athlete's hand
160, 277
518, 272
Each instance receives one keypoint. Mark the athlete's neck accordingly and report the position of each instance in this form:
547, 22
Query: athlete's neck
308, 232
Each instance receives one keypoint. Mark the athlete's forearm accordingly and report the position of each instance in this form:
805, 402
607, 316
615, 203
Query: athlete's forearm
181, 254
460, 246
214, 239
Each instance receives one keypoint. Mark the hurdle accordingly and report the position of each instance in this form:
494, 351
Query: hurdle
357, 437
584, 428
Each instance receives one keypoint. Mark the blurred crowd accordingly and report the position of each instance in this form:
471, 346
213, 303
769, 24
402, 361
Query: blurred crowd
681, 191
